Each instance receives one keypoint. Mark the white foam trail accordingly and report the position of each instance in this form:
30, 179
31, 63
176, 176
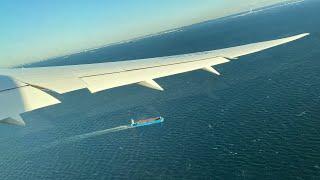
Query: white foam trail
80, 137
97, 133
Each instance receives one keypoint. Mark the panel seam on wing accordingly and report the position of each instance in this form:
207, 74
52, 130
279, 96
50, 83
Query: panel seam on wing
101, 74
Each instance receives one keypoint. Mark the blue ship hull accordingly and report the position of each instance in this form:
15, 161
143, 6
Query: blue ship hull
147, 123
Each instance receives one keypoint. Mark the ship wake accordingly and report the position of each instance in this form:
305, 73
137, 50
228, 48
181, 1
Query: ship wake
81, 137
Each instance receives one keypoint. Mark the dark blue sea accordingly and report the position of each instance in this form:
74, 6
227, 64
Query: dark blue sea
259, 120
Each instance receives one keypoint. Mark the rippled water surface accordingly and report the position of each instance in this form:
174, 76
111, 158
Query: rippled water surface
259, 120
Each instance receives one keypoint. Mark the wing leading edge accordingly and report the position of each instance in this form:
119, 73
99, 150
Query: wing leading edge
21, 90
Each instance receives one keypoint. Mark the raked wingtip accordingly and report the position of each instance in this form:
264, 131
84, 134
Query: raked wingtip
302, 35
294, 38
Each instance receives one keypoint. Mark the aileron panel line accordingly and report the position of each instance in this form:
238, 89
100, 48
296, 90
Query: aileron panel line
102, 82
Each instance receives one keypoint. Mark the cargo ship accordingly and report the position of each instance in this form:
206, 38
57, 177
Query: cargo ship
146, 122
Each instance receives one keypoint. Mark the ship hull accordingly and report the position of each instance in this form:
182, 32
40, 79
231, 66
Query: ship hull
147, 123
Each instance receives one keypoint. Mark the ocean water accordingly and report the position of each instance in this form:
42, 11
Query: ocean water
259, 120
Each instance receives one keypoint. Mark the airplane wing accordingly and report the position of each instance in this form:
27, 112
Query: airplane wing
23, 90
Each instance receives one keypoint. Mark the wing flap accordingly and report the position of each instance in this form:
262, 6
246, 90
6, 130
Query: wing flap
107, 81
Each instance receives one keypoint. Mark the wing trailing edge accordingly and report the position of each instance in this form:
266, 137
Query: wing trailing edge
101, 82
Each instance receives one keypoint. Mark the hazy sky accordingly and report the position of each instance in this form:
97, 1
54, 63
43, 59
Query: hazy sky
33, 30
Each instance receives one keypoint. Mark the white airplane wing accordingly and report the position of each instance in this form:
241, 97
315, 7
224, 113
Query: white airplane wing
23, 90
